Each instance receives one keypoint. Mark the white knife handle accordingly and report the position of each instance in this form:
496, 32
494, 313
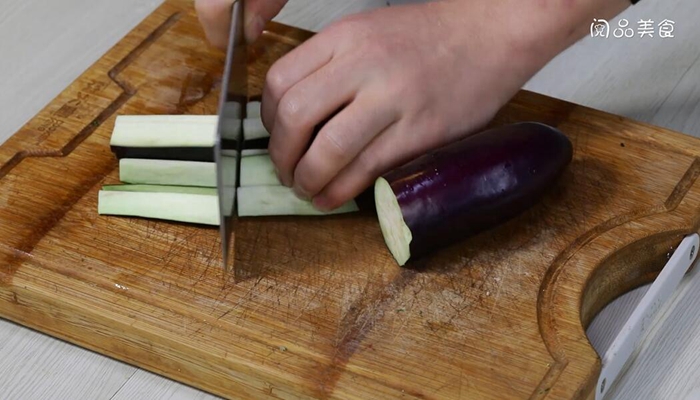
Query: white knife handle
626, 342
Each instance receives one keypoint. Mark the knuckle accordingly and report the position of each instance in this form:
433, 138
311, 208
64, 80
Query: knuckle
434, 122
289, 113
276, 81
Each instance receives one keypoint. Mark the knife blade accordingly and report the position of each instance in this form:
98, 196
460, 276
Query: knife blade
229, 135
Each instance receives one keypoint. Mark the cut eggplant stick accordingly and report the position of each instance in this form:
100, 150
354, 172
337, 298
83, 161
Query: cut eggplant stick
173, 172
165, 137
164, 131
253, 109
253, 129
230, 130
201, 206
258, 171
257, 201
167, 172
159, 189
171, 206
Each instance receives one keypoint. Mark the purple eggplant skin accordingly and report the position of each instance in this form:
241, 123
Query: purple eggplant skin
478, 182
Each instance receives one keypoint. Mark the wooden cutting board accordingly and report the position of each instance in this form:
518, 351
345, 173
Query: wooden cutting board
328, 314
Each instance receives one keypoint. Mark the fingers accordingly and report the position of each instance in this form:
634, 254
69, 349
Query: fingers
382, 154
258, 13
402, 141
301, 109
339, 142
292, 68
215, 17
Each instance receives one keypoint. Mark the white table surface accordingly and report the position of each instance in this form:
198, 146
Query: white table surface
45, 45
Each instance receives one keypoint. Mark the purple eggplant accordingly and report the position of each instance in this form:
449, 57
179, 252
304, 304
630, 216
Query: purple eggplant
467, 187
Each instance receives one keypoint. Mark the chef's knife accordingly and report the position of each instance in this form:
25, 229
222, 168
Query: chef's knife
229, 135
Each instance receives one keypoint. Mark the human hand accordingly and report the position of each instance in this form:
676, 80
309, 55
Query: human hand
215, 17
406, 80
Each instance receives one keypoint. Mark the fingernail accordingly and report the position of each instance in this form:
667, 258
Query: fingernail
285, 181
301, 194
321, 203
281, 179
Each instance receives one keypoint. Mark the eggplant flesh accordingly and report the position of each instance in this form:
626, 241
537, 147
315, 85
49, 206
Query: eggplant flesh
269, 200
258, 170
253, 109
146, 188
172, 172
164, 131
468, 186
253, 129
254, 152
199, 205
166, 164
196, 205
177, 137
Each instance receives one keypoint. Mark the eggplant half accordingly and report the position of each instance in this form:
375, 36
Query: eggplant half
467, 187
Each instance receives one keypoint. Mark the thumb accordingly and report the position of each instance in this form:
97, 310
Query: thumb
258, 13
215, 17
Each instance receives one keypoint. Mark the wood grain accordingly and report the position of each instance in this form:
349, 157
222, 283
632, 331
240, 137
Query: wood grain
499, 315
